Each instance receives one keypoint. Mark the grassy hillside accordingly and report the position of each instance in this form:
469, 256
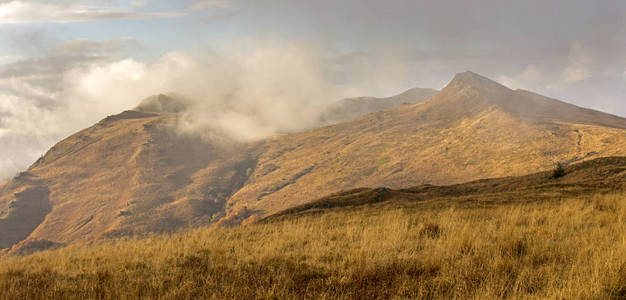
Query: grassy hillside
566, 249
533, 237
473, 128
135, 173
131, 173
602, 175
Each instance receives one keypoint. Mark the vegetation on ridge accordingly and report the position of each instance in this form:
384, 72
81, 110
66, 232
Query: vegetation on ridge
530, 237
570, 249
134, 173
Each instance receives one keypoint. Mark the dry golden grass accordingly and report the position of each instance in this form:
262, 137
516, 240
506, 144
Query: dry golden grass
474, 128
561, 249
133, 173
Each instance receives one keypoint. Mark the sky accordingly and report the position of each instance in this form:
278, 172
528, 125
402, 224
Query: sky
66, 64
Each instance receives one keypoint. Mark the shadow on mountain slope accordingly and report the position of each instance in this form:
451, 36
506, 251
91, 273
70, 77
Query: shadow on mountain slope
601, 175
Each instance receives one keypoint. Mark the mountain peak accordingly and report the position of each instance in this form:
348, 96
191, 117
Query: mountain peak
470, 93
161, 104
414, 93
469, 79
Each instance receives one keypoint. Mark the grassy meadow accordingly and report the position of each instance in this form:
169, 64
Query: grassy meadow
562, 249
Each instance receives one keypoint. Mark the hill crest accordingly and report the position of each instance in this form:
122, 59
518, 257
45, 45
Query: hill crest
133, 173
469, 93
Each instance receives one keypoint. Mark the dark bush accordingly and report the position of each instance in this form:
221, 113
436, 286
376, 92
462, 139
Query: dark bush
559, 171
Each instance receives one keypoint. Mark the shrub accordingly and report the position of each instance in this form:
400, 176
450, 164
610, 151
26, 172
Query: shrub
559, 170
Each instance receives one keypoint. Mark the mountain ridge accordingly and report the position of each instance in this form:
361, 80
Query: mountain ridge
601, 175
351, 108
457, 135
479, 90
133, 173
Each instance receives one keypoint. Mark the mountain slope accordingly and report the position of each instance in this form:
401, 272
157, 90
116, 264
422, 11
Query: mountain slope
350, 108
472, 91
517, 237
133, 173
474, 128
602, 175
129, 174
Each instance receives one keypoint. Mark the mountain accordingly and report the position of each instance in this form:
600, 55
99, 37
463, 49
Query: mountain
515, 237
474, 128
129, 174
350, 108
162, 104
601, 175
472, 91
133, 173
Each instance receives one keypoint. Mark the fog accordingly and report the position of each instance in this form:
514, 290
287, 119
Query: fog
252, 68
245, 91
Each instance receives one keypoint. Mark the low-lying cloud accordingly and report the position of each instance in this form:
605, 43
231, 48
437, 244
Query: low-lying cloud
247, 91
579, 64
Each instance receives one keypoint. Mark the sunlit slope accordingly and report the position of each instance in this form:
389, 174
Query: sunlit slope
598, 176
538, 236
474, 128
134, 173
130, 173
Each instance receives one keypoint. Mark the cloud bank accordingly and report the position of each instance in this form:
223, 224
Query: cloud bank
18, 12
243, 92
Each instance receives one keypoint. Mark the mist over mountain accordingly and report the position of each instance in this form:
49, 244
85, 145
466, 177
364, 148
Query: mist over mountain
229, 88
280, 149
473, 128
149, 170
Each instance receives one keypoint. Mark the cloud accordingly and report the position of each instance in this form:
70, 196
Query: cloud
139, 4
82, 46
526, 80
202, 5
219, 16
5, 59
39, 79
42, 101
579, 66
27, 40
244, 91
17, 12
576, 73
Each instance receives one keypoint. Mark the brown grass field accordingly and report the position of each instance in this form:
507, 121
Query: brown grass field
570, 248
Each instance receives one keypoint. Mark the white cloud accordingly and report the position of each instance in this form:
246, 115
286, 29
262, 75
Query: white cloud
5, 59
580, 63
82, 46
139, 4
526, 80
576, 73
219, 16
16, 12
240, 93
202, 5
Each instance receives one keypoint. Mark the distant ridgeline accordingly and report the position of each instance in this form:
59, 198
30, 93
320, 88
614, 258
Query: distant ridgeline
132, 173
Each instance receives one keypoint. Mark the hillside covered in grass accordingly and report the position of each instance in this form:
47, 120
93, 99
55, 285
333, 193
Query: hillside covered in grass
136, 173
543, 237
